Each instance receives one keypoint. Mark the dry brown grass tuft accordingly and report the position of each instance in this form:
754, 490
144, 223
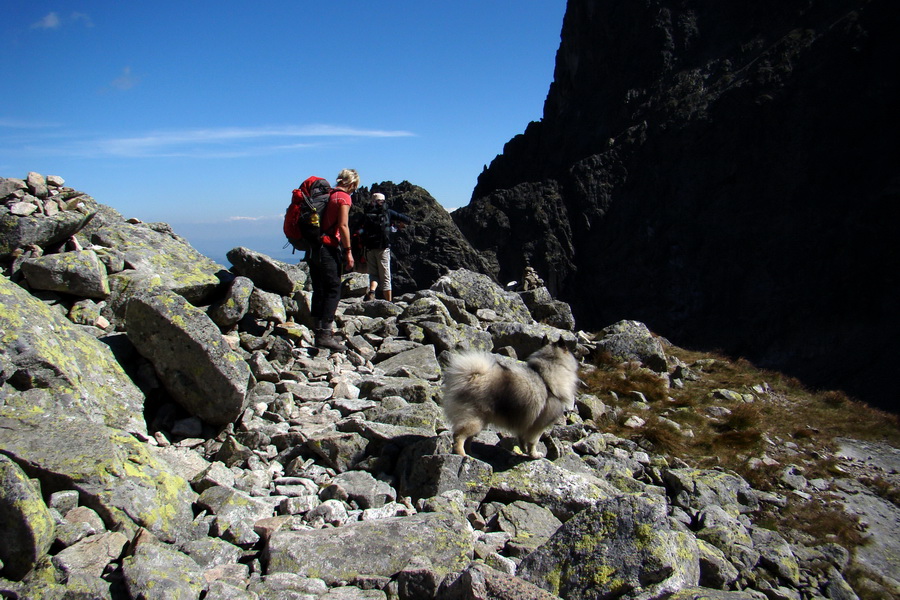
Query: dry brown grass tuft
883, 488
626, 378
868, 585
742, 417
730, 443
834, 399
664, 438
825, 523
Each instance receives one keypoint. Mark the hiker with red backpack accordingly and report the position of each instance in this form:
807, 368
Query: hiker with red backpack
328, 259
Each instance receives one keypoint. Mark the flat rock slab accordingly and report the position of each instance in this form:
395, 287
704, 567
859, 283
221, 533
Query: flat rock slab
379, 548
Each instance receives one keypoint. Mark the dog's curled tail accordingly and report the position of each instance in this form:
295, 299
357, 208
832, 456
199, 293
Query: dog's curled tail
466, 366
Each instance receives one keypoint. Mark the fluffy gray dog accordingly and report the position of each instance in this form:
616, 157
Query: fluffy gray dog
523, 399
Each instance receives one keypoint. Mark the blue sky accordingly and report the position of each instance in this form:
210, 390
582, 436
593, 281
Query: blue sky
206, 114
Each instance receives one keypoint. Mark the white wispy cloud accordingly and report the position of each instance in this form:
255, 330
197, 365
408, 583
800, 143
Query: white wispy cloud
125, 81
265, 218
231, 141
53, 20
12, 123
82, 18
50, 21
26, 138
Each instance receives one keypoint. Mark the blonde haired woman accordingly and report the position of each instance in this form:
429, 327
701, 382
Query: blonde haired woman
328, 260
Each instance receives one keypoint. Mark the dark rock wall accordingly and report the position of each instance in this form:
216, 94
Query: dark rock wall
724, 172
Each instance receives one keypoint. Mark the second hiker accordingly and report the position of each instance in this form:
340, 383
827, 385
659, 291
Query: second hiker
379, 223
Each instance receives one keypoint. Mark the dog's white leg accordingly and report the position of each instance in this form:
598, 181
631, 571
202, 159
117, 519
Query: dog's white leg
459, 443
530, 447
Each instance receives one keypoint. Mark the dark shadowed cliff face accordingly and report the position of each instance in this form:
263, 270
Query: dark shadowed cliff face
724, 172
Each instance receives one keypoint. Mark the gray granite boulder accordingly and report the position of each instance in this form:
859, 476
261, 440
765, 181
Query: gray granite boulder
232, 308
113, 472
561, 491
528, 524
526, 338
482, 582
159, 571
477, 291
92, 555
694, 489
20, 231
78, 273
419, 362
631, 340
190, 356
53, 365
375, 548
622, 546
161, 253
265, 272
27, 525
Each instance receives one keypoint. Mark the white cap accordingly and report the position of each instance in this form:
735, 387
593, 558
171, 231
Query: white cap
377, 196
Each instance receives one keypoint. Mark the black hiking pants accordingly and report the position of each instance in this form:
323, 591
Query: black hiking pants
326, 266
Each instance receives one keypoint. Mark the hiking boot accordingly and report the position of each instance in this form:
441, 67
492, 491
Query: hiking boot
325, 339
370, 295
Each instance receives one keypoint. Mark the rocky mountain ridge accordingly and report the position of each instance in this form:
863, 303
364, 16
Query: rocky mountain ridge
722, 173
167, 430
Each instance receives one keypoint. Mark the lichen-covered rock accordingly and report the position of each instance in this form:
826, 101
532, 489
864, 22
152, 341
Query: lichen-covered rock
480, 581
413, 389
27, 525
775, 554
180, 267
360, 488
341, 451
426, 309
530, 525
419, 362
432, 475
631, 340
235, 513
527, 338
621, 546
265, 272
53, 365
78, 273
112, 471
724, 531
697, 593
91, 555
563, 492
425, 415
380, 548
190, 356
232, 308
159, 571
18, 232
477, 291
694, 489
266, 306
716, 571
458, 337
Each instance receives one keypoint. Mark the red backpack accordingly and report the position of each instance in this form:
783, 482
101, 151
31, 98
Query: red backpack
303, 215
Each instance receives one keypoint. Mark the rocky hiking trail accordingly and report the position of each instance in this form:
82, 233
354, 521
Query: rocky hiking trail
167, 430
